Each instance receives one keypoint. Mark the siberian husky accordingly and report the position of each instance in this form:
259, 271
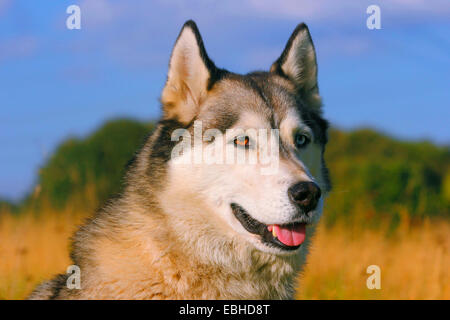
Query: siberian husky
187, 228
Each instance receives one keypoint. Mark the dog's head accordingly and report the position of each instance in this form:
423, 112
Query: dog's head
273, 118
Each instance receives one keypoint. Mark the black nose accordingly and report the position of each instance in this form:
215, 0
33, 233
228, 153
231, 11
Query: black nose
305, 194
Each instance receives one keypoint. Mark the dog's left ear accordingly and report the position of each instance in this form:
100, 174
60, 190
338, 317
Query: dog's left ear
298, 63
190, 76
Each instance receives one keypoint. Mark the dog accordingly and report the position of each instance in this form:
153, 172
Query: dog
196, 230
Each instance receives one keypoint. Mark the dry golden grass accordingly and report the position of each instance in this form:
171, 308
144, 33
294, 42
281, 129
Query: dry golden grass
414, 261
31, 250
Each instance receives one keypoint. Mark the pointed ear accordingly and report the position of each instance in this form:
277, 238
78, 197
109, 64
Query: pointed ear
188, 79
298, 63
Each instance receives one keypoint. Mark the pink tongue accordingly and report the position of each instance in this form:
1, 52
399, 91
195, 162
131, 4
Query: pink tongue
292, 235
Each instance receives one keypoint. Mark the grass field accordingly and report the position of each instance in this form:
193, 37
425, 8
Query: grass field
414, 260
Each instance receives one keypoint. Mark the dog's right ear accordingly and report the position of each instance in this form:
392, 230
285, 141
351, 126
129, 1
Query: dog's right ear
190, 76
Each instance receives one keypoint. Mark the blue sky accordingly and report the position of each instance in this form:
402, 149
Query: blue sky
56, 83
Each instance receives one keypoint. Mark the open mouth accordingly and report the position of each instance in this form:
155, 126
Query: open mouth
286, 237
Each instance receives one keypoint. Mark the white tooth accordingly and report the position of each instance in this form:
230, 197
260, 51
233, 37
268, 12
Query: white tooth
273, 232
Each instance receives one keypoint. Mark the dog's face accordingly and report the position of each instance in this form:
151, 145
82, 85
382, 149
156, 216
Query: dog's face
252, 148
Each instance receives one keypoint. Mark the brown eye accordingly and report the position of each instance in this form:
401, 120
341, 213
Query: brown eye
242, 141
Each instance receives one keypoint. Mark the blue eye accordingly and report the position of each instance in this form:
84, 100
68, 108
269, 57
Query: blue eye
301, 140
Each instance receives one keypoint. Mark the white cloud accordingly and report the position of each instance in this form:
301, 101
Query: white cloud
4, 6
22, 46
101, 12
337, 10
123, 31
104, 12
